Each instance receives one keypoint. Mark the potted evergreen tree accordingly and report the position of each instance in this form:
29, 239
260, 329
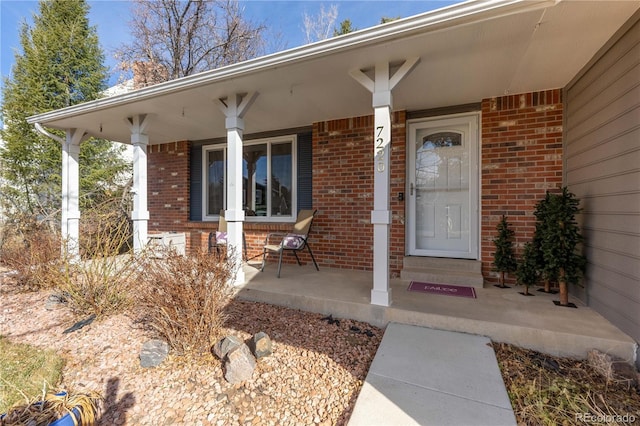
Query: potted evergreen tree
527, 273
504, 258
560, 242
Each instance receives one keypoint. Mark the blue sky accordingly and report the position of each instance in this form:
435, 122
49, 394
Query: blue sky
111, 18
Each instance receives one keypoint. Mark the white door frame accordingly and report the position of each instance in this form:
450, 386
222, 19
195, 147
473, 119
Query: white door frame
474, 185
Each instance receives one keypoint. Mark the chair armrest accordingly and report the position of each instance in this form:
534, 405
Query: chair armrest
280, 235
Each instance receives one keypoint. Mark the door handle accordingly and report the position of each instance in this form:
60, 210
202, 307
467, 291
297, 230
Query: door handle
411, 188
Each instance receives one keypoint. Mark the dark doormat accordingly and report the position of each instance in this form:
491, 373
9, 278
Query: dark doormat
446, 289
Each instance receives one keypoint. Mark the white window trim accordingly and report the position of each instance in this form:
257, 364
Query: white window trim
293, 139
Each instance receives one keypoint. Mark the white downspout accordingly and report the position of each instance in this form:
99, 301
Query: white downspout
44, 132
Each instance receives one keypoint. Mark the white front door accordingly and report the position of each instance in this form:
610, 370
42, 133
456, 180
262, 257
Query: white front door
443, 187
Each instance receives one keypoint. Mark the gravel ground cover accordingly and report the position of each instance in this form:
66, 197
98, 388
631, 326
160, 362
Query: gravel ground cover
313, 376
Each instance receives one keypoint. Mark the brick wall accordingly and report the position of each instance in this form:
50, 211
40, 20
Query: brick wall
168, 199
168, 187
343, 192
521, 159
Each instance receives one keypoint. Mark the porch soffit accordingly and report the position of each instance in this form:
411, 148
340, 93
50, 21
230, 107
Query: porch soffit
462, 61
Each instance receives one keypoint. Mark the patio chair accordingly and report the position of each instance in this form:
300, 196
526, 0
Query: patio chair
295, 241
218, 239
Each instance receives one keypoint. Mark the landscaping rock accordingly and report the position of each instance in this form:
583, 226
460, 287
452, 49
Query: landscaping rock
225, 345
239, 364
613, 369
153, 353
261, 345
55, 301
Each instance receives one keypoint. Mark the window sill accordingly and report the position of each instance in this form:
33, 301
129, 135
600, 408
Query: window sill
247, 225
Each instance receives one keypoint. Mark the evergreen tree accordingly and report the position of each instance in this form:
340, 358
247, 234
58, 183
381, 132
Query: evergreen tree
547, 272
61, 64
345, 28
560, 241
527, 273
504, 258
386, 19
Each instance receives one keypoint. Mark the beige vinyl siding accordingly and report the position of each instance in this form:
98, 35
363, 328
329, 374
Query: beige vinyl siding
602, 167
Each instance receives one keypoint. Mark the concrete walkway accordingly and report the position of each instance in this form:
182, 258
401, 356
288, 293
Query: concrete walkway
422, 376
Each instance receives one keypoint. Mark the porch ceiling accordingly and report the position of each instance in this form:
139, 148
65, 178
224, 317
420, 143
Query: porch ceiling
468, 52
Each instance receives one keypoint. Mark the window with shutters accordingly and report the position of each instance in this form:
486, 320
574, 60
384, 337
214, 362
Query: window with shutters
269, 179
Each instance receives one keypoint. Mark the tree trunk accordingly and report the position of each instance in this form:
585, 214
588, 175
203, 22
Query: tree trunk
547, 286
502, 279
564, 292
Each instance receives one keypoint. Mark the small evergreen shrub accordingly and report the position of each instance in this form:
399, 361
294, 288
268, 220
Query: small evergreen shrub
548, 275
504, 258
561, 241
527, 273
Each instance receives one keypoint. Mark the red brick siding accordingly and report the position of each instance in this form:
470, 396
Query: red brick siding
343, 192
168, 187
521, 158
168, 198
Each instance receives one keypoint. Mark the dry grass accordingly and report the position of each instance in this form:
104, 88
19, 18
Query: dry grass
24, 369
547, 390
183, 298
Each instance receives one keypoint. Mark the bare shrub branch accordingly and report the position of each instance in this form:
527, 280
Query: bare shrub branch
183, 298
32, 249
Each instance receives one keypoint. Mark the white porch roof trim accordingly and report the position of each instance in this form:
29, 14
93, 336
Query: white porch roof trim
459, 14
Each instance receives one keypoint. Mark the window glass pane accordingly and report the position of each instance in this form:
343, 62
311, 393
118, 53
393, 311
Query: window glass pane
267, 179
215, 182
281, 179
443, 139
254, 185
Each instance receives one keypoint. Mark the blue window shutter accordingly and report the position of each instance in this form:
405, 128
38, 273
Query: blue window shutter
305, 188
195, 189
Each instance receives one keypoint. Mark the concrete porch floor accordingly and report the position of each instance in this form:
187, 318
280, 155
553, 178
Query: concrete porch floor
503, 315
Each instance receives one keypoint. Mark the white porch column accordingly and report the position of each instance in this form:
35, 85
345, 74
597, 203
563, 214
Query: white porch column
71, 192
381, 88
381, 214
140, 214
234, 109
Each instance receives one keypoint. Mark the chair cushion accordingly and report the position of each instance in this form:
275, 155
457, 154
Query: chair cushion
221, 237
293, 241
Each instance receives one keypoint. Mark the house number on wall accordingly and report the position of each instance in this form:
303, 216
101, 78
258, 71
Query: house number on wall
380, 146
